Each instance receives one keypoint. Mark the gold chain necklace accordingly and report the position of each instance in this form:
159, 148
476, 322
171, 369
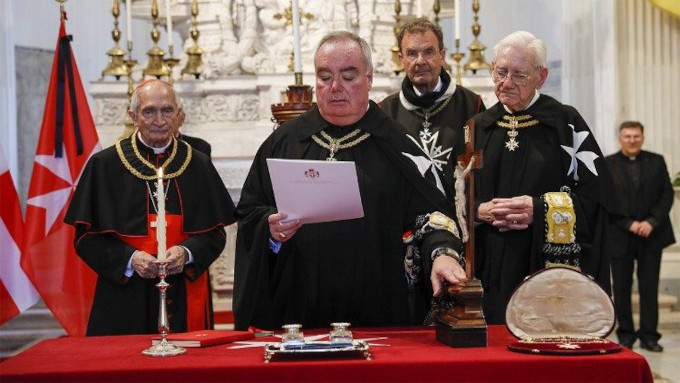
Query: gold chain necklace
334, 145
513, 124
429, 112
138, 155
148, 164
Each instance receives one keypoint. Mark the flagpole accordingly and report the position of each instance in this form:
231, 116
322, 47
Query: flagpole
62, 9
63, 279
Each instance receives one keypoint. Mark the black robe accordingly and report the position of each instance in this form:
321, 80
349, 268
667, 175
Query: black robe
542, 163
349, 270
110, 202
197, 143
447, 125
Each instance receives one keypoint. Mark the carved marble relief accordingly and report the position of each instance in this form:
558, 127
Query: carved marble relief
255, 36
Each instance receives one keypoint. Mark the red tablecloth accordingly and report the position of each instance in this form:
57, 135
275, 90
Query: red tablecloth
412, 355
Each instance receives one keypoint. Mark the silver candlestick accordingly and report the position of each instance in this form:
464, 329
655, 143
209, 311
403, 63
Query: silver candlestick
164, 347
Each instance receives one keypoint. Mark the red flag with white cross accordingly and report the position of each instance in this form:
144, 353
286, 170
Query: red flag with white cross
68, 138
16, 290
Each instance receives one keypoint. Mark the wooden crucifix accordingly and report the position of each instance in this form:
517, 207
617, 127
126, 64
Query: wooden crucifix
464, 325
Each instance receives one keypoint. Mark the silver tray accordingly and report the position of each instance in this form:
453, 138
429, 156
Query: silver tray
358, 347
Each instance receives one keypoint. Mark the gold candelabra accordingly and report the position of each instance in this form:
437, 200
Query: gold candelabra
457, 57
129, 125
170, 62
194, 64
116, 66
396, 62
476, 61
156, 66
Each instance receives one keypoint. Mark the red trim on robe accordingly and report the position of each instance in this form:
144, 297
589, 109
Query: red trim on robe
198, 304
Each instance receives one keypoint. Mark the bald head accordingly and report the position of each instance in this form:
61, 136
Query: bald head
155, 110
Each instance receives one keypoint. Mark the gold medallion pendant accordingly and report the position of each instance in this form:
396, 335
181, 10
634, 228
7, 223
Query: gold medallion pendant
512, 143
335, 144
512, 123
431, 111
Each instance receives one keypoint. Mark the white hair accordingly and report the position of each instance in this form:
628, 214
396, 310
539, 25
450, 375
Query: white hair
524, 40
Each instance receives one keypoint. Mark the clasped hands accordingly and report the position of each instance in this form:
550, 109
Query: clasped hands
641, 228
146, 265
505, 214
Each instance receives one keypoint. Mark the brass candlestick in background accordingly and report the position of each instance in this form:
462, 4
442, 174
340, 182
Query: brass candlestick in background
116, 66
194, 64
156, 65
457, 57
476, 61
396, 62
436, 8
170, 63
129, 125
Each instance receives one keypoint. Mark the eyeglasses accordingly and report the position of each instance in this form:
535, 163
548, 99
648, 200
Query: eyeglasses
500, 75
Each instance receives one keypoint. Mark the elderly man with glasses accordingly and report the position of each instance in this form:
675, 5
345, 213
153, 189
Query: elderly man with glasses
540, 194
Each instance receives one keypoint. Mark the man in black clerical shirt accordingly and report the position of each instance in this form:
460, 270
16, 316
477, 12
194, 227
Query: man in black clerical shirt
353, 271
641, 180
114, 211
431, 107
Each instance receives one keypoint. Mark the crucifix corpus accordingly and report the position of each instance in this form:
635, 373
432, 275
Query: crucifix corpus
463, 325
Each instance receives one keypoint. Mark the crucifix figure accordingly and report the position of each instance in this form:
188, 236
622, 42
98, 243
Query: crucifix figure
464, 325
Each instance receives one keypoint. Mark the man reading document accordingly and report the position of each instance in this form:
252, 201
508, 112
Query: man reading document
347, 270
302, 188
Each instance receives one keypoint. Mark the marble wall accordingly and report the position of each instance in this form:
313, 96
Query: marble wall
32, 78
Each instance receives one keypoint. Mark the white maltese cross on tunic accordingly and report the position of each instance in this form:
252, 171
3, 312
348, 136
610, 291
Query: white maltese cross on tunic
433, 157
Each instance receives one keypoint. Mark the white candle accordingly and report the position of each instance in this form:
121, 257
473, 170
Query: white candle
168, 23
456, 12
160, 218
128, 19
296, 38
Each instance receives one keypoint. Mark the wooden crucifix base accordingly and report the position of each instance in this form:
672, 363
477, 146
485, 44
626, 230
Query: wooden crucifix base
464, 324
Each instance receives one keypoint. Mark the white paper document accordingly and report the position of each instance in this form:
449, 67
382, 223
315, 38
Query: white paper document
316, 191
